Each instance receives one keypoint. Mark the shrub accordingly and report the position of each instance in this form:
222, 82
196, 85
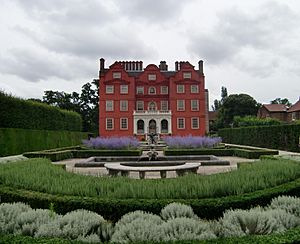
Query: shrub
111, 143
287, 203
133, 216
248, 222
191, 141
8, 214
29, 221
74, 225
254, 121
186, 229
177, 210
137, 230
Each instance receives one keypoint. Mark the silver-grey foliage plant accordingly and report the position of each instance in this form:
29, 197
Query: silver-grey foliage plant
74, 225
289, 204
186, 229
29, 222
8, 214
177, 210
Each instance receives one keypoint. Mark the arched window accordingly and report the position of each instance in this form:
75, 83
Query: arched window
152, 106
164, 126
152, 90
140, 126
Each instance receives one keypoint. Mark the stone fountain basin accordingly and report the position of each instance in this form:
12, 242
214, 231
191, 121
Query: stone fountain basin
153, 163
204, 160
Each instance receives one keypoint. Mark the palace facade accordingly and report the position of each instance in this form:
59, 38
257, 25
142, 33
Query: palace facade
136, 101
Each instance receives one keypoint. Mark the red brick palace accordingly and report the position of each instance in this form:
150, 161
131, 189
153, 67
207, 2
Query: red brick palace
136, 101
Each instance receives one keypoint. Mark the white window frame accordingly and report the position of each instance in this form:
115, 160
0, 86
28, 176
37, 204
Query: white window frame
123, 105
192, 120
152, 77
164, 103
149, 89
180, 108
187, 75
139, 90
117, 75
180, 88
112, 123
142, 105
196, 108
109, 105
123, 89
164, 90
183, 120
121, 123
109, 89
194, 88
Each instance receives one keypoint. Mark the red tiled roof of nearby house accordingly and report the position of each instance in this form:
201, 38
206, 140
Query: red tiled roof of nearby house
295, 107
212, 115
275, 107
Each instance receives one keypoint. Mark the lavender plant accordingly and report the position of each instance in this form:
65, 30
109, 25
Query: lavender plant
112, 143
192, 141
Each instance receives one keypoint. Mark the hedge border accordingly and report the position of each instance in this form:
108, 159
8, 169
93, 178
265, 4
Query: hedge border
14, 141
61, 154
239, 152
113, 209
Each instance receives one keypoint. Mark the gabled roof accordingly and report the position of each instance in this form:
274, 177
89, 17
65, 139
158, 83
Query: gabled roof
275, 107
295, 107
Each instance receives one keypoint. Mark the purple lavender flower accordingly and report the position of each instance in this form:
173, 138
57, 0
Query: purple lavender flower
192, 141
111, 143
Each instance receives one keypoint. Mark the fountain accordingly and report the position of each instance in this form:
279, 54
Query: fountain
152, 161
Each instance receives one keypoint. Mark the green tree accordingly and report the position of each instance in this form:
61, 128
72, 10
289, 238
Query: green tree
218, 103
284, 101
236, 105
86, 103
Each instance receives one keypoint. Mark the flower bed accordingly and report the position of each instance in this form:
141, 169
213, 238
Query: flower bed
112, 143
192, 141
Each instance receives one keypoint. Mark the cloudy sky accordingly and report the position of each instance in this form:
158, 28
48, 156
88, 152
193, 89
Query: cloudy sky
250, 46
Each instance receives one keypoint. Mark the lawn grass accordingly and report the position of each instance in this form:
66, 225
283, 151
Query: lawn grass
40, 175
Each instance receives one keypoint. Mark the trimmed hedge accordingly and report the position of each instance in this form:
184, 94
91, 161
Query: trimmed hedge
284, 137
16, 141
77, 152
113, 209
239, 152
19, 113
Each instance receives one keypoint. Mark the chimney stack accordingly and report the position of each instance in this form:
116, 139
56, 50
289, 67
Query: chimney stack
163, 66
200, 63
102, 61
176, 66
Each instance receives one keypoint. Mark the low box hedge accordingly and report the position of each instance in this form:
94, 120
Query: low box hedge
113, 209
78, 152
216, 152
239, 152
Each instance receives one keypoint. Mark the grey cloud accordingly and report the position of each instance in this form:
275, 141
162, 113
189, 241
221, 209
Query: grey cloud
35, 66
263, 31
158, 11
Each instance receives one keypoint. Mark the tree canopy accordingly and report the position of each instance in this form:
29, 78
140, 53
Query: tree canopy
236, 105
284, 101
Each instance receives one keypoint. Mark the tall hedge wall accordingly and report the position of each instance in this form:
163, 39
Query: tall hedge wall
284, 137
19, 113
16, 141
